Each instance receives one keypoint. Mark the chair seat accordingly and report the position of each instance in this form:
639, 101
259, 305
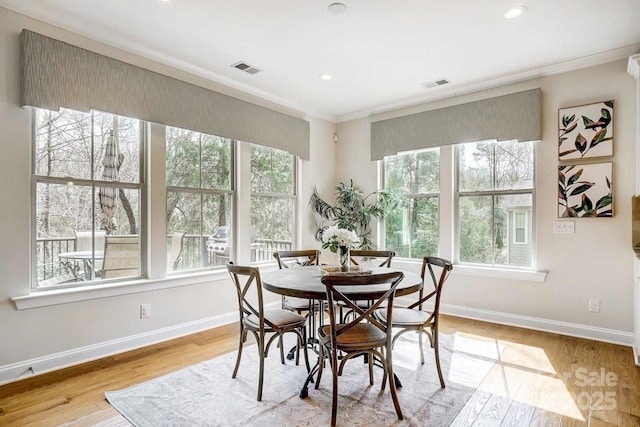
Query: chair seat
294, 303
405, 317
281, 318
362, 335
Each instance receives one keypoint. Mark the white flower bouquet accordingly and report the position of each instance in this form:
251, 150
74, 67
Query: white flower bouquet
334, 238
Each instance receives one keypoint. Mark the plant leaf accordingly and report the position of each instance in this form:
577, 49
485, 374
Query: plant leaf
585, 186
575, 177
604, 201
587, 204
581, 143
568, 119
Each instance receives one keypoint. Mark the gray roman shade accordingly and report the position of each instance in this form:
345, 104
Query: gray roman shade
508, 117
56, 74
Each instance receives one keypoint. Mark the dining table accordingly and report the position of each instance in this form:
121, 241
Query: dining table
305, 282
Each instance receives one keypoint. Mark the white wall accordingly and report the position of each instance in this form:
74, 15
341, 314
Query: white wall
48, 337
595, 262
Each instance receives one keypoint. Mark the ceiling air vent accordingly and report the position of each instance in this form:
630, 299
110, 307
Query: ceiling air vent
243, 66
436, 83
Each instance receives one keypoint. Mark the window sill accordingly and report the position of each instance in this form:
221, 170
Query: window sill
480, 271
68, 295
499, 273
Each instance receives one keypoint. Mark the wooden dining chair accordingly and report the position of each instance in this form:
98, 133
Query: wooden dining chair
254, 319
367, 258
415, 317
292, 259
364, 335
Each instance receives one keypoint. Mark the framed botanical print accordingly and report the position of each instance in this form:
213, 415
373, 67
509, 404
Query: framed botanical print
585, 131
585, 190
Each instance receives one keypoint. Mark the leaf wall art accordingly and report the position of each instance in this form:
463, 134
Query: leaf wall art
585, 131
585, 190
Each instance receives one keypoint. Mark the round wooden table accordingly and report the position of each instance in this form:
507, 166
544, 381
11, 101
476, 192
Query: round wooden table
304, 282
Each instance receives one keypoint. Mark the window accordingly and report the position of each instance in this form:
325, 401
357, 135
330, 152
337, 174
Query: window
412, 230
199, 198
272, 201
88, 192
520, 227
495, 195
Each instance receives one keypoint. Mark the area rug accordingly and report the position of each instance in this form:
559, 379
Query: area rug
206, 395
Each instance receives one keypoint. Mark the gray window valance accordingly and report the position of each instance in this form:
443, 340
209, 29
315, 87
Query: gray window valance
515, 116
56, 74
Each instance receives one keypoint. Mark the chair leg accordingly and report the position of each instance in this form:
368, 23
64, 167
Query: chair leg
304, 349
281, 345
334, 392
421, 349
298, 339
370, 359
320, 366
436, 351
261, 374
392, 385
243, 337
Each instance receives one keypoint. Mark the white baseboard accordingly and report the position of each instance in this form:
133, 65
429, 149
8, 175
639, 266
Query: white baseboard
52, 362
535, 323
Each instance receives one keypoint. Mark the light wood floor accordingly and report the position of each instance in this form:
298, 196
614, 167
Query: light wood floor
541, 379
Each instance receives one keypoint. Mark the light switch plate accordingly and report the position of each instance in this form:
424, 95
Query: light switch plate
564, 227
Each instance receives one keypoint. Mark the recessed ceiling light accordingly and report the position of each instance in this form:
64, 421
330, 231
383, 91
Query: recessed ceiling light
337, 8
326, 77
515, 11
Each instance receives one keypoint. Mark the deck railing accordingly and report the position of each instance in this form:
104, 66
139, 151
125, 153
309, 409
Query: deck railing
194, 253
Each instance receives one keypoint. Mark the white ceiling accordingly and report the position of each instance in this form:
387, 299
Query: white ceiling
379, 52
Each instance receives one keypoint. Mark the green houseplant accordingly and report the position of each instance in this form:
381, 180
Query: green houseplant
352, 210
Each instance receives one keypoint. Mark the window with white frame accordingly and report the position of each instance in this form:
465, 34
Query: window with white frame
199, 199
272, 201
520, 227
412, 229
494, 199
87, 192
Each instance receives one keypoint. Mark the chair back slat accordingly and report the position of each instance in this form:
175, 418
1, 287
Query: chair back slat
336, 294
301, 258
437, 270
374, 258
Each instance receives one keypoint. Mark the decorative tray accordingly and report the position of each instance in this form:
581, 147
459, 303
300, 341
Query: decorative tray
336, 270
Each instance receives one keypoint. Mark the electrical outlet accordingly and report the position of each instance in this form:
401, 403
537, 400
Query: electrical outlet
565, 227
594, 305
145, 311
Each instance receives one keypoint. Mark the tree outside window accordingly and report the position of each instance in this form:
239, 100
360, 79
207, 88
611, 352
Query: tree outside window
272, 201
199, 196
87, 183
495, 196
411, 230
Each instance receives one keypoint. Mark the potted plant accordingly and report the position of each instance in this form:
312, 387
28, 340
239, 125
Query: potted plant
352, 210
